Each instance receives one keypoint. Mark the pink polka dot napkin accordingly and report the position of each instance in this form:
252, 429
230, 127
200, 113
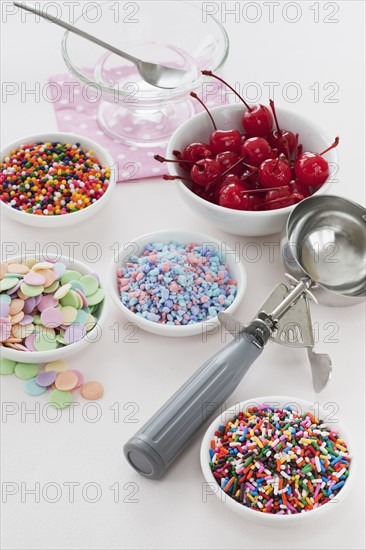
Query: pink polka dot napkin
76, 114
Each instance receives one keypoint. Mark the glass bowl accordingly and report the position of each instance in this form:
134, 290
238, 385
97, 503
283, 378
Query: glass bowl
177, 34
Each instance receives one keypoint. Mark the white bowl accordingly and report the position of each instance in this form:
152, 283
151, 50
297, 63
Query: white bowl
185, 237
242, 222
92, 337
67, 219
263, 518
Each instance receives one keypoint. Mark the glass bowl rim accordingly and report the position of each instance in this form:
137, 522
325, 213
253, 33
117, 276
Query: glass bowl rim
147, 98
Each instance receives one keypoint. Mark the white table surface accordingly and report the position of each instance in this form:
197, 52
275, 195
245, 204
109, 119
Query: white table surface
171, 513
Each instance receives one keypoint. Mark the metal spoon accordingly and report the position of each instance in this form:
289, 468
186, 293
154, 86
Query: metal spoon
156, 75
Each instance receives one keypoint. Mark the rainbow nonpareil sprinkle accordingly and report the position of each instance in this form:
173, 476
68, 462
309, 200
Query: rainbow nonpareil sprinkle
52, 179
278, 461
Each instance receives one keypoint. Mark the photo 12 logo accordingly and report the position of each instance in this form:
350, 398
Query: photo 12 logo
271, 12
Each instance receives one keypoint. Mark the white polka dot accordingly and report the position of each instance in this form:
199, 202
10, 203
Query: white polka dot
121, 156
77, 92
80, 108
125, 174
146, 136
150, 154
67, 117
100, 133
133, 148
128, 129
83, 126
94, 117
159, 127
118, 141
60, 82
156, 169
64, 101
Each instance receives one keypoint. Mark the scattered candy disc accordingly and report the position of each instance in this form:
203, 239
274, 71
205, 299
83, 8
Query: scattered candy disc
25, 371
32, 388
7, 366
66, 381
92, 390
46, 378
80, 378
56, 366
60, 399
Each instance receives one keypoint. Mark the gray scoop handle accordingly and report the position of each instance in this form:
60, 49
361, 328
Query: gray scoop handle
156, 445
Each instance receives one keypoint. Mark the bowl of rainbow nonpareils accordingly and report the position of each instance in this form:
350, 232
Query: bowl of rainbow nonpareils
174, 283
54, 180
50, 308
271, 460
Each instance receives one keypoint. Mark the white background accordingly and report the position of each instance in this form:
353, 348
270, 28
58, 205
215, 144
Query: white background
170, 513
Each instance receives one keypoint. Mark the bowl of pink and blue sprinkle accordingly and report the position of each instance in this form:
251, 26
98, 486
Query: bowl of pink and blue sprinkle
174, 283
277, 460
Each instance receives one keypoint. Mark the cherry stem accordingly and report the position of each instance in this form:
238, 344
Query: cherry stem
334, 144
159, 158
241, 160
265, 190
273, 109
193, 94
177, 153
295, 196
279, 131
210, 73
171, 178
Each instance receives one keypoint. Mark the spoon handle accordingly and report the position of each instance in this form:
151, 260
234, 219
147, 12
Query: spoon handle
77, 31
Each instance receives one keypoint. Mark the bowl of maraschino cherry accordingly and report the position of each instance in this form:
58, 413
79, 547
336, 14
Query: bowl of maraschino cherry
245, 167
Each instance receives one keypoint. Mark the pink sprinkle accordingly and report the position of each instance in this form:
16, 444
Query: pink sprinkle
209, 278
221, 299
174, 287
166, 266
204, 299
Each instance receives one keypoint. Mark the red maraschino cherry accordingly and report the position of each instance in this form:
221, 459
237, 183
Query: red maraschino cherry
274, 173
256, 150
227, 160
205, 172
312, 169
197, 151
221, 140
257, 120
